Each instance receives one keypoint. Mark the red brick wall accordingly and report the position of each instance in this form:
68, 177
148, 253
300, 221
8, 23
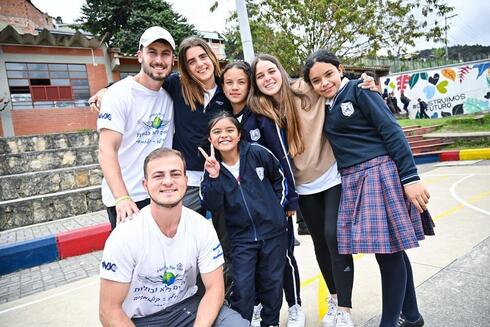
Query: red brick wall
97, 78
41, 121
116, 76
23, 16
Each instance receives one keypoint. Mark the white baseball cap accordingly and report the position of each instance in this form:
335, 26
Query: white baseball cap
156, 33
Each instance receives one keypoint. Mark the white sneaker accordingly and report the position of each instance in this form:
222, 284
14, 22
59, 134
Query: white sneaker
330, 318
256, 316
344, 319
296, 316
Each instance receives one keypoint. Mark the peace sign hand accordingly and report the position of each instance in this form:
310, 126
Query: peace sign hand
211, 165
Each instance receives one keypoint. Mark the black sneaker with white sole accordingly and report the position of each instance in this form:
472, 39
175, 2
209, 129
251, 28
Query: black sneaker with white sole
403, 322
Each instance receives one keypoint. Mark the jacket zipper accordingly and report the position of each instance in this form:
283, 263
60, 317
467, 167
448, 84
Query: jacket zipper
248, 211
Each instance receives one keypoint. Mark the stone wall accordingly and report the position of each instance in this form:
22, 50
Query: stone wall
33, 211
32, 184
48, 142
45, 160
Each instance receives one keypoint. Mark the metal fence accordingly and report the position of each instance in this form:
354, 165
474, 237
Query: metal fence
401, 65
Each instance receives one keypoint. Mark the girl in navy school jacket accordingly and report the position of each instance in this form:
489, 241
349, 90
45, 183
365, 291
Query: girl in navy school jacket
236, 82
247, 183
383, 208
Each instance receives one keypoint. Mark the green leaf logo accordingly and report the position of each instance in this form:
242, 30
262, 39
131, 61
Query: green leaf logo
156, 123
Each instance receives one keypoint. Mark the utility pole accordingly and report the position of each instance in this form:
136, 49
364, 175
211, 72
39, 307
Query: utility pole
245, 35
446, 58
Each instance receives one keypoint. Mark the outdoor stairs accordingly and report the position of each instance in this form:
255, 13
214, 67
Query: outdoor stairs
419, 144
48, 177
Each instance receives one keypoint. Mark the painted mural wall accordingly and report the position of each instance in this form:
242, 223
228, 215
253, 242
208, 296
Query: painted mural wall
449, 90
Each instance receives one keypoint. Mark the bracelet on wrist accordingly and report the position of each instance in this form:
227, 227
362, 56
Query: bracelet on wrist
121, 199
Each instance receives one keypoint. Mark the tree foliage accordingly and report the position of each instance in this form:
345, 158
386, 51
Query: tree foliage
125, 20
292, 29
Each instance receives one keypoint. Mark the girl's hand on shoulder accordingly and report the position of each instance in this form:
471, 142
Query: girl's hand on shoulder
418, 195
368, 82
211, 164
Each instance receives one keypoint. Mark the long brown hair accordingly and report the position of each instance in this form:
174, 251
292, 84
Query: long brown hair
192, 89
284, 114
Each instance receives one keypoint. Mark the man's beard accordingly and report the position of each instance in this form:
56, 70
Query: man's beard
166, 205
147, 71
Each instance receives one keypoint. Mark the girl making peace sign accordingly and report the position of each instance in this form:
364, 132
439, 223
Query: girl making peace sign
246, 182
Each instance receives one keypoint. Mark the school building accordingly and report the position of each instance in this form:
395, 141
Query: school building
48, 71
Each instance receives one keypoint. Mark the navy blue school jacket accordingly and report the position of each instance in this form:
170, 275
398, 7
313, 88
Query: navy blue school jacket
253, 204
191, 127
263, 130
360, 127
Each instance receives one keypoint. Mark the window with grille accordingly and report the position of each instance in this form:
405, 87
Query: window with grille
43, 85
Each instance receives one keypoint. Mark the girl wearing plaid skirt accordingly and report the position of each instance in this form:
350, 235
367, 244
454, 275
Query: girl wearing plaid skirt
383, 207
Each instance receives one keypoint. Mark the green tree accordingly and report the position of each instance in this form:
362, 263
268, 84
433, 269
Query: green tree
123, 21
292, 29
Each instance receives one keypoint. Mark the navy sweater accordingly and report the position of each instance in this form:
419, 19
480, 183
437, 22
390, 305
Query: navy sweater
191, 127
360, 127
252, 205
263, 130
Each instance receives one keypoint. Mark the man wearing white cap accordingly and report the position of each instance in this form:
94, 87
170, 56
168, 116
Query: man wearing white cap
136, 117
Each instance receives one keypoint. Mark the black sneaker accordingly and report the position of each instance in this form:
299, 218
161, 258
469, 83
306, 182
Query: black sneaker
403, 322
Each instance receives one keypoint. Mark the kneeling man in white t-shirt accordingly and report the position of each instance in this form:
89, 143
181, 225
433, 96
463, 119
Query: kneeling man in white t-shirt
150, 263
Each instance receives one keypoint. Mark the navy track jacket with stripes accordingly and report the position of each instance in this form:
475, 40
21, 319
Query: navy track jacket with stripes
263, 130
253, 204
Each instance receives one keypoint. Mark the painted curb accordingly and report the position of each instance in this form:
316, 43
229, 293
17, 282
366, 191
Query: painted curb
449, 156
475, 154
27, 254
452, 155
31, 253
83, 240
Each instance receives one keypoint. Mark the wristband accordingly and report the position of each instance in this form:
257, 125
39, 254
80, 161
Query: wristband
122, 198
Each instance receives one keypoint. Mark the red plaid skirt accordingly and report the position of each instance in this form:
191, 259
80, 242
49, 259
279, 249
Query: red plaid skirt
374, 214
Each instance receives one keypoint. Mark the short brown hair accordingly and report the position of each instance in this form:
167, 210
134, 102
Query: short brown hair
160, 153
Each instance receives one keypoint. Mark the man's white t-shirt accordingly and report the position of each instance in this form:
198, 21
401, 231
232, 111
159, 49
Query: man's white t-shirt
145, 119
161, 271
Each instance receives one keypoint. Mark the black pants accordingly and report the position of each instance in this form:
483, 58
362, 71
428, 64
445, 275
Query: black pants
291, 272
258, 270
320, 214
112, 213
397, 287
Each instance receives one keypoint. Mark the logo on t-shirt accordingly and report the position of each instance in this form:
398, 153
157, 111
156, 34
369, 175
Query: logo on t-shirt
347, 109
156, 123
218, 252
154, 130
260, 172
109, 266
105, 115
168, 278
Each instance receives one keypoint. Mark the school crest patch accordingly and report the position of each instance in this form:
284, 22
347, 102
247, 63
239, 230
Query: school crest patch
255, 135
347, 109
260, 172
